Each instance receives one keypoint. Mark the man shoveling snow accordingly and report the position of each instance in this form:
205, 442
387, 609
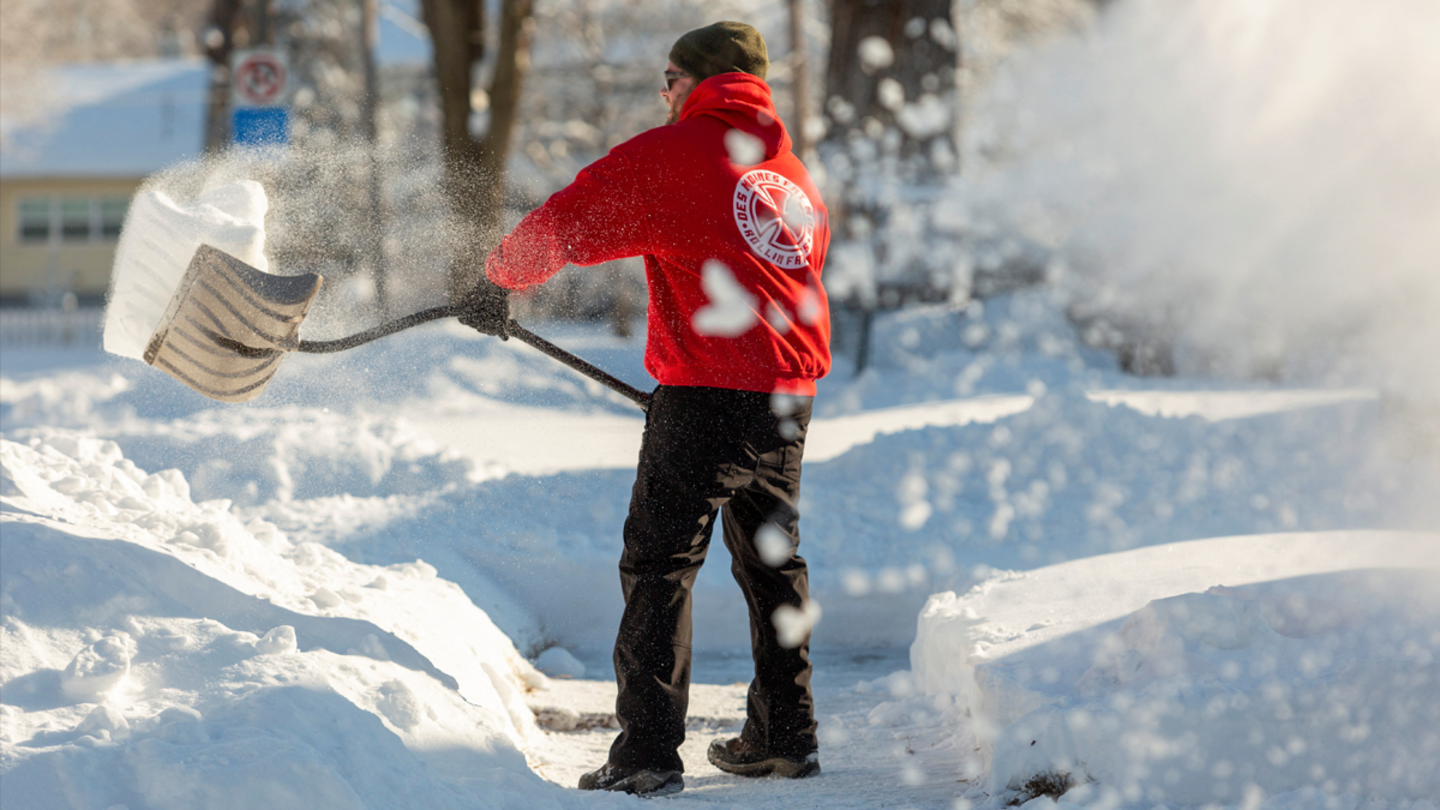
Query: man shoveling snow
734, 236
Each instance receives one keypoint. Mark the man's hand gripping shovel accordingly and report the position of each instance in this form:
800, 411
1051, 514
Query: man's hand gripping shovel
229, 324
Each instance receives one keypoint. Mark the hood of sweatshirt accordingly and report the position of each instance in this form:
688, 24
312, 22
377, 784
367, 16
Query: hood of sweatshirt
743, 102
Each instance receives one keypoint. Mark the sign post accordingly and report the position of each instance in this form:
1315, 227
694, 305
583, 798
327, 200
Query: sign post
259, 95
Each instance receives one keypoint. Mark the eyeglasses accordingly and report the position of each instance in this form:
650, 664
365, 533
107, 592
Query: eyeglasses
672, 76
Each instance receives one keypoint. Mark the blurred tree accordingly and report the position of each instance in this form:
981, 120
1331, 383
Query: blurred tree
890, 80
324, 208
227, 25
799, 64
474, 167
374, 250
891, 111
895, 87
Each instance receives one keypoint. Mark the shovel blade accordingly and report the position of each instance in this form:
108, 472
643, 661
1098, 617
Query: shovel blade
229, 325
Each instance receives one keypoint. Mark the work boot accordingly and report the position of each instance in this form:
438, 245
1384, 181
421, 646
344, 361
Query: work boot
739, 757
639, 781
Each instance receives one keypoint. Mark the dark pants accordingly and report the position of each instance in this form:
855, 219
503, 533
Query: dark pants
704, 449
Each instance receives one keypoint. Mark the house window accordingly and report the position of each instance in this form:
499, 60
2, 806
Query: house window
34, 220
112, 216
71, 218
74, 219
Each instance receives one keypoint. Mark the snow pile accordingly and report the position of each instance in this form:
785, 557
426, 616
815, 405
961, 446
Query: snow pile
60, 398
980, 438
263, 455
158, 240
1069, 477
158, 626
163, 653
1322, 683
1005, 343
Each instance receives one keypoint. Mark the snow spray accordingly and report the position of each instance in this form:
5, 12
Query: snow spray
1258, 182
159, 238
300, 209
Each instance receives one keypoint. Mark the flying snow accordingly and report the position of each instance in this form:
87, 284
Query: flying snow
745, 149
731, 310
159, 239
876, 53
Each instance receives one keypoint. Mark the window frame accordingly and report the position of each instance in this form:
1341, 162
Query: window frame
97, 228
24, 223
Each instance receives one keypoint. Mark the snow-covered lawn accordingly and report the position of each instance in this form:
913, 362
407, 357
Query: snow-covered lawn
1160, 592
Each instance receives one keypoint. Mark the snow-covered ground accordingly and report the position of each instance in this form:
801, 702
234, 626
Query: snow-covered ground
1031, 567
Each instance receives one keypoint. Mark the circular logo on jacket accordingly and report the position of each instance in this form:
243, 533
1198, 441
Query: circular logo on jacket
775, 218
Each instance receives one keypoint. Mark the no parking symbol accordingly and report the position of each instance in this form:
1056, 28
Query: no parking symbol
260, 79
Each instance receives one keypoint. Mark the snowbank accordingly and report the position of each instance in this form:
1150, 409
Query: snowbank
979, 439
1322, 682
163, 653
279, 552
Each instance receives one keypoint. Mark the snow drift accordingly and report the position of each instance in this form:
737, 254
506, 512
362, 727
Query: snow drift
1326, 680
163, 653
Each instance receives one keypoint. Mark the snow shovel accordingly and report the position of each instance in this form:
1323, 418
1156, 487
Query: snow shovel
229, 325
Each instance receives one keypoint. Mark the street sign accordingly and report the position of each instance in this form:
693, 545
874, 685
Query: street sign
261, 78
260, 126
259, 98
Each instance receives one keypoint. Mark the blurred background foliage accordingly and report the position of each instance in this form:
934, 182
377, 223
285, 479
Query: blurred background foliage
438, 159
1165, 164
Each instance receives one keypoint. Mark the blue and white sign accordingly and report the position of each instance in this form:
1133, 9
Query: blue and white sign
259, 94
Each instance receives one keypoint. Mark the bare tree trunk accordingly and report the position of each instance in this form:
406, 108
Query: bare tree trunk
457, 31
475, 169
800, 82
263, 36
891, 104
226, 22
922, 60
511, 66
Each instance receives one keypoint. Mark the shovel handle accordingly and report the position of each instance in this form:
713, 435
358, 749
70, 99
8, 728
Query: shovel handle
619, 386
361, 338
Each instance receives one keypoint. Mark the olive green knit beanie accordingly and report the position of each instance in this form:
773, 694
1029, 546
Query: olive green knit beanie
724, 47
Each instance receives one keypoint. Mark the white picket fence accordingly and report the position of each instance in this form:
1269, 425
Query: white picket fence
50, 328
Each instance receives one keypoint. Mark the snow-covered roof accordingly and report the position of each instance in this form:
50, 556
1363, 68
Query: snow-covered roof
111, 119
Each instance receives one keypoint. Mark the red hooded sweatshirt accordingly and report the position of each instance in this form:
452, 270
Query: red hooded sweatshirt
732, 230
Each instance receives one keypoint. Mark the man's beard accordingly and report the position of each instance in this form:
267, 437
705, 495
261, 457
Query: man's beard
674, 110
